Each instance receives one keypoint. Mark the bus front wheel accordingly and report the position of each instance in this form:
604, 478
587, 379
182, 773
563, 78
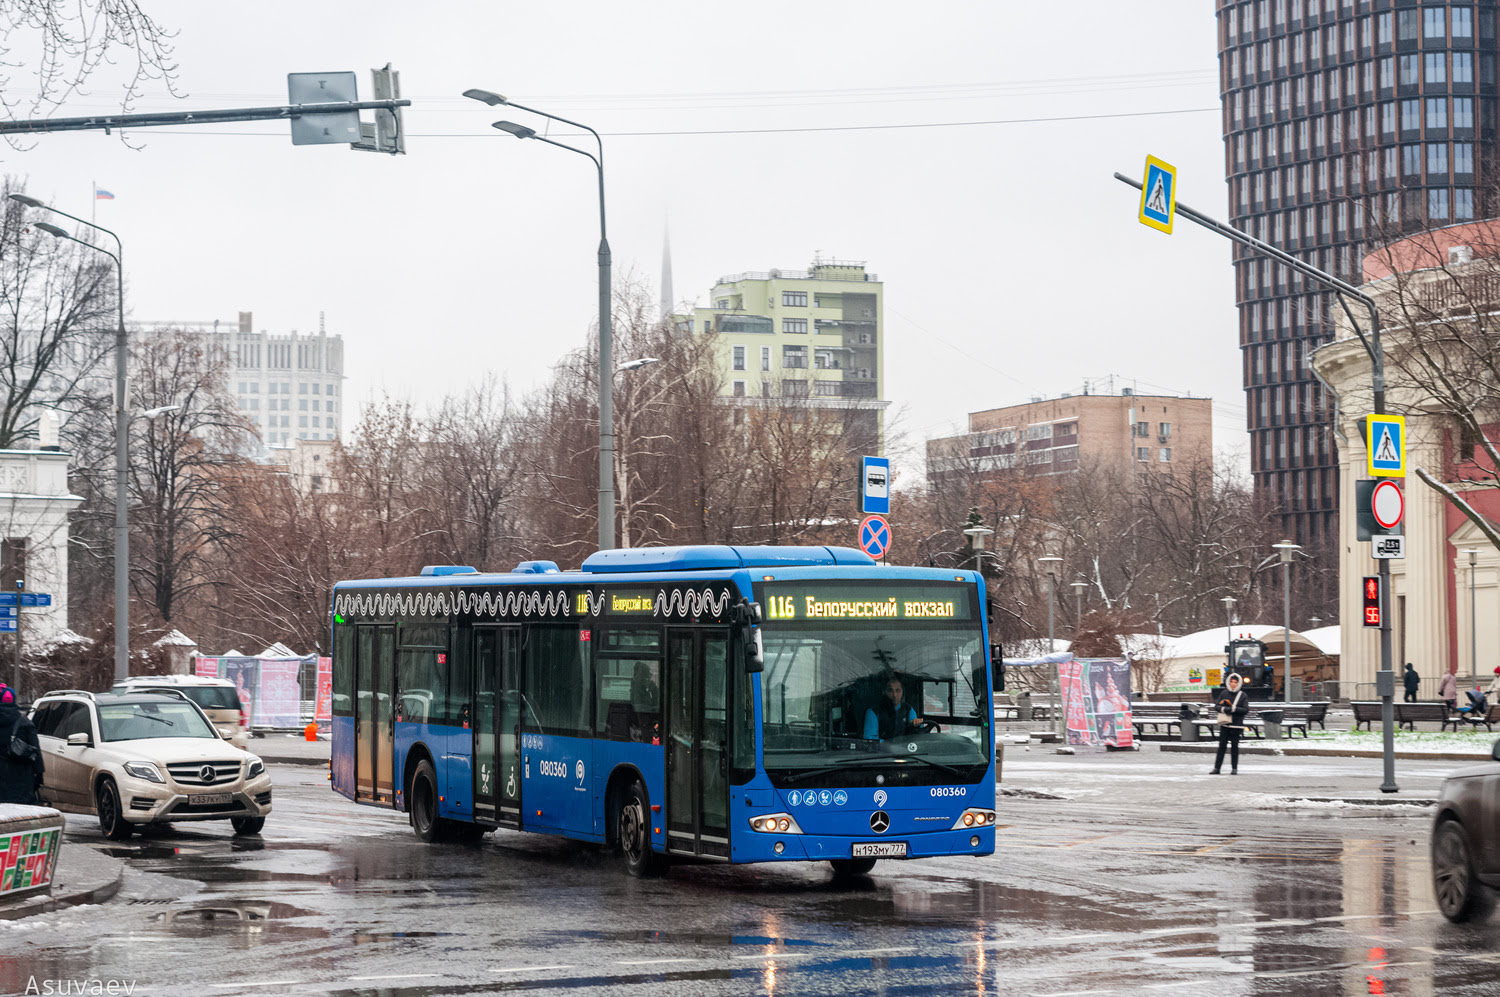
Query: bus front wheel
424, 803
633, 825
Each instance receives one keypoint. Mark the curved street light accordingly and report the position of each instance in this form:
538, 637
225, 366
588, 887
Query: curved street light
122, 428
606, 397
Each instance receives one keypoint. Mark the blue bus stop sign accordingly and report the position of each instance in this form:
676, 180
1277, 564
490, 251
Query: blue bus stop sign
874, 536
875, 485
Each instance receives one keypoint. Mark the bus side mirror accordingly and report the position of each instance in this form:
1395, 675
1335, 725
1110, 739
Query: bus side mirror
747, 619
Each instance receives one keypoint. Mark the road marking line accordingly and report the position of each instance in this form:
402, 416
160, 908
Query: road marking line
1278, 924
1071, 993
783, 955
397, 976
859, 952
529, 969
267, 983
647, 962
1169, 986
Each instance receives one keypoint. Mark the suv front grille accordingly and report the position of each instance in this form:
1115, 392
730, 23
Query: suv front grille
191, 773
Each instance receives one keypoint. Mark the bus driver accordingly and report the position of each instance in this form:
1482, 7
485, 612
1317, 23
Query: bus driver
891, 717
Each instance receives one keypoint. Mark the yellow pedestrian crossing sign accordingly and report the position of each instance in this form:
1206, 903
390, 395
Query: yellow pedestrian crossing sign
1385, 445
1159, 195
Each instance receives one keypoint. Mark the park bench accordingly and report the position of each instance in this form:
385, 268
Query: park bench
1489, 719
1408, 715
1367, 712
1156, 716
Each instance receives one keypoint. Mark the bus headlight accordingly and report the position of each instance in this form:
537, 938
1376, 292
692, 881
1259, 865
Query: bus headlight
775, 823
974, 817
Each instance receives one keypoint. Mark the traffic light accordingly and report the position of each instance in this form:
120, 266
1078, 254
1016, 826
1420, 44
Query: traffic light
1371, 599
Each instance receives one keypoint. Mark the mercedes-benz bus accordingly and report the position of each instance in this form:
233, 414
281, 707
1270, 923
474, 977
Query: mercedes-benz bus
708, 703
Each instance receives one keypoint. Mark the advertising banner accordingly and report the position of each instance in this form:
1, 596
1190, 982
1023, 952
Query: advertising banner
280, 703
323, 711
27, 858
206, 668
245, 674
1096, 702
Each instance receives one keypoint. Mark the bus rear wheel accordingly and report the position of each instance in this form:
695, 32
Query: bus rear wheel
424, 804
633, 830
844, 868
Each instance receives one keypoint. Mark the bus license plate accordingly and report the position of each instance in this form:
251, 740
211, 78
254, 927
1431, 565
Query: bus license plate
209, 799
879, 849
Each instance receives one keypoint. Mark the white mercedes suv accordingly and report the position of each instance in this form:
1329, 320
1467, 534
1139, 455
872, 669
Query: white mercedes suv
145, 758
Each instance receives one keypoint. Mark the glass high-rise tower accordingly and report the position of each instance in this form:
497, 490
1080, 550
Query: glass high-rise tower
1346, 123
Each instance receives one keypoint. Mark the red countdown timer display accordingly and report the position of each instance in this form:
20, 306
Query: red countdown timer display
1371, 594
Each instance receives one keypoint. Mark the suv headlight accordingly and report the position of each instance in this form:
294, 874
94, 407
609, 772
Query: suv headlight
254, 767
144, 770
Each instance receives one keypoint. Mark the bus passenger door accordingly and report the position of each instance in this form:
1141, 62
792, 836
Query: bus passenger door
486, 722
497, 724
508, 727
697, 738
374, 731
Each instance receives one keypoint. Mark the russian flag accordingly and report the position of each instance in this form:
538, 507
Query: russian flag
100, 194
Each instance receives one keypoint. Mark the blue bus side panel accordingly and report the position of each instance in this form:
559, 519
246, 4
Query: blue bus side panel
647, 759
556, 792
343, 756
454, 748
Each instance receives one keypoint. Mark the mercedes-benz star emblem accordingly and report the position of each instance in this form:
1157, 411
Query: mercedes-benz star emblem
206, 773
880, 822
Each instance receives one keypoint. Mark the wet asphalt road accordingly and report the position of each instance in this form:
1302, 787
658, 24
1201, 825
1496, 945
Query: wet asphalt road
1136, 876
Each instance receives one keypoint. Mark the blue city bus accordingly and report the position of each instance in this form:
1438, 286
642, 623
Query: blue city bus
708, 703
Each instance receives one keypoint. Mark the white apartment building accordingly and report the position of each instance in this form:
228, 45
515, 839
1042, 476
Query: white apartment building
290, 387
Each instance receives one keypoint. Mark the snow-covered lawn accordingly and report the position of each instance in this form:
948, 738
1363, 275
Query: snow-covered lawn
1479, 742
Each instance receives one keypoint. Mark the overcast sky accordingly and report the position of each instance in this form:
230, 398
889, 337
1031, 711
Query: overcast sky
1013, 263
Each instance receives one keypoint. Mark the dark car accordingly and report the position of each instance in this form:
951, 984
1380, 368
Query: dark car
1466, 841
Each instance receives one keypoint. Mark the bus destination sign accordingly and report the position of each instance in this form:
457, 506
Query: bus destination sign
867, 602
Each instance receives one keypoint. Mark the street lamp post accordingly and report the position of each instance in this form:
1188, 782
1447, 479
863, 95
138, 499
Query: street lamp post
606, 366
1286, 549
122, 431
1228, 602
1078, 587
1473, 553
1050, 565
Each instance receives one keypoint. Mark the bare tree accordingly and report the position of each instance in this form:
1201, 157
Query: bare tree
475, 474
177, 467
60, 44
1441, 311
57, 308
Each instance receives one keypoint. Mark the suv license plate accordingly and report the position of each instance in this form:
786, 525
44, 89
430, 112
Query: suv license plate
208, 799
879, 849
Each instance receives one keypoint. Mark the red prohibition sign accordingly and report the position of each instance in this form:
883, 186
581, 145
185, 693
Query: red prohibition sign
1388, 504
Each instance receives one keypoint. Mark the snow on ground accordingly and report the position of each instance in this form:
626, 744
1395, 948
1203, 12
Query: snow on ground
1479, 743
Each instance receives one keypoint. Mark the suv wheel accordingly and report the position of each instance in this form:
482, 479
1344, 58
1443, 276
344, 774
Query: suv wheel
1459, 894
247, 825
111, 813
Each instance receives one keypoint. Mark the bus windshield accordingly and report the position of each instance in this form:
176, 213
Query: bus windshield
874, 703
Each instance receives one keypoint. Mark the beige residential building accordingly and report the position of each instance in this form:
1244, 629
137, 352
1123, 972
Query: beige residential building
1054, 435
814, 334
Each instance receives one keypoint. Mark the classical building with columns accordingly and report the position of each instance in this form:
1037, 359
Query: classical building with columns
1438, 294
34, 505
